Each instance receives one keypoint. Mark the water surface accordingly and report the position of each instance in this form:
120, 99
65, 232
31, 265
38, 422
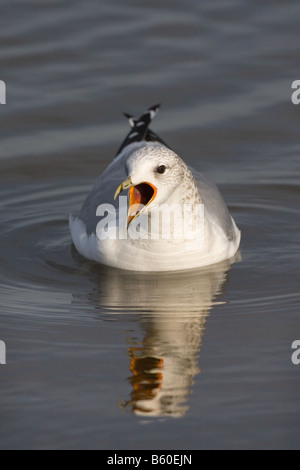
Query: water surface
99, 358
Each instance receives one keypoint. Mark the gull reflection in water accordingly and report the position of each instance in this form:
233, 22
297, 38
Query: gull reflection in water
172, 309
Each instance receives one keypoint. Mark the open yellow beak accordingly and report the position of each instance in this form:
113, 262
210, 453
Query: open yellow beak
140, 196
125, 185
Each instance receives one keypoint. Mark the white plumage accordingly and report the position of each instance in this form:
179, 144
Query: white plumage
158, 179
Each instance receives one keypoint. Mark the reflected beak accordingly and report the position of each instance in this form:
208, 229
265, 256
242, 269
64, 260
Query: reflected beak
140, 196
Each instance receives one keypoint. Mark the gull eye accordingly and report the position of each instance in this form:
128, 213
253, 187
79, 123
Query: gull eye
161, 169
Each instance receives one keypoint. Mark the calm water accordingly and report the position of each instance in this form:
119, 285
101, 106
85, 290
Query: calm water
99, 358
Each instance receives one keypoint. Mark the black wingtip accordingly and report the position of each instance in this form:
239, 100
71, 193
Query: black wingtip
131, 119
140, 128
152, 109
155, 107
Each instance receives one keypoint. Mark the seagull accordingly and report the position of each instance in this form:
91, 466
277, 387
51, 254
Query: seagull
172, 219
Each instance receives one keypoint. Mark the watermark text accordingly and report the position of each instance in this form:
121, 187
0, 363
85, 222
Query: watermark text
2, 353
296, 94
162, 222
181, 460
2, 92
296, 354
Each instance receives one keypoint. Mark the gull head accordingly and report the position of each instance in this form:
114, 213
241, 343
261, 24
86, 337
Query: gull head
156, 176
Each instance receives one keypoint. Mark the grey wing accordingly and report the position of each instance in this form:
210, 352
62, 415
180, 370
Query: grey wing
214, 204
